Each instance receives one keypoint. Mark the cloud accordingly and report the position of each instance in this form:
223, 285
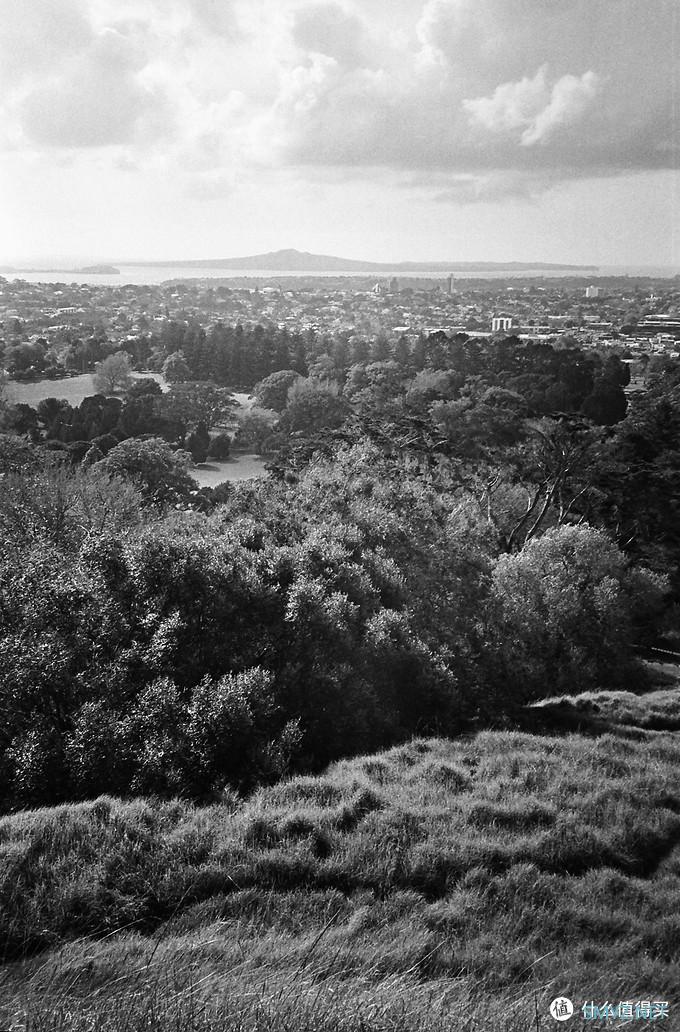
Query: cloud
513, 105
327, 114
465, 96
480, 92
98, 100
570, 98
215, 16
489, 188
533, 106
327, 28
39, 34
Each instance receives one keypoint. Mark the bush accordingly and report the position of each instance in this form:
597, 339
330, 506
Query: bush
567, 607
198, 443
219, 447
160, 473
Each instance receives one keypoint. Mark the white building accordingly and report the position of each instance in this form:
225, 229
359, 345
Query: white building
501, 323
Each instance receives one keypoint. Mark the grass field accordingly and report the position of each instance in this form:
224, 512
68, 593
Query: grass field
239, 467
439, 885
75, 388
72, 388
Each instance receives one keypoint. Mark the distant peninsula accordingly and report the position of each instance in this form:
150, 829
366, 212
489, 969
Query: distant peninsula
88, 270
290, 260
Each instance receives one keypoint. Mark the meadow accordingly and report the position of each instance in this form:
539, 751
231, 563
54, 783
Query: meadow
72, 388
241, 466
458, 884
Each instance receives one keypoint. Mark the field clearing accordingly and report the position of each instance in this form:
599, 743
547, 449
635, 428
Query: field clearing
75, 388
438, 885
72, 388
240, 467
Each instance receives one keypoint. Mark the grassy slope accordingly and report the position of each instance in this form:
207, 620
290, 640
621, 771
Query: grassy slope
655, 711
438, 885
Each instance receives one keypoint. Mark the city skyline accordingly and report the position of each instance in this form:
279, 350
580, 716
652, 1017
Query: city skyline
439, 131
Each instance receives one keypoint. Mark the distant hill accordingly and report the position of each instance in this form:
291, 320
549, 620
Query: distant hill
290, 260
99, 270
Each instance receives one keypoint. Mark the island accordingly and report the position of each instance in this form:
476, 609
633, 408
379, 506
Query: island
99, 270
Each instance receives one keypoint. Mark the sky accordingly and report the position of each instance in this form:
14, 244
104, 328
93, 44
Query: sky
461, 130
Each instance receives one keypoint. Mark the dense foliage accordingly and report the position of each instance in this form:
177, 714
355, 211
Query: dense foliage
445, 537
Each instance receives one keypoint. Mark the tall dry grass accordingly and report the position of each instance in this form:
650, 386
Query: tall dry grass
437, 885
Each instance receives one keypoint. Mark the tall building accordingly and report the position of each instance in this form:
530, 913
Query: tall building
592, 291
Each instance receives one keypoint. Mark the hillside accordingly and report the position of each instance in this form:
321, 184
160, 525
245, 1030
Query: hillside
290, 260
439, 884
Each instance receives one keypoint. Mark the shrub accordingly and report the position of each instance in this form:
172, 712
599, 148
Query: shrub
219, 447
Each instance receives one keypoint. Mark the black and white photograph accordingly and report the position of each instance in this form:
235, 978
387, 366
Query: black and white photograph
339, 515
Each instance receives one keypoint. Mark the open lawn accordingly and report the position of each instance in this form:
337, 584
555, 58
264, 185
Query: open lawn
239, 467
72, 388
438, 885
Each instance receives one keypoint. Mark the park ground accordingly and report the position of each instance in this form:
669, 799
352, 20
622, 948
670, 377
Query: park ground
241, 466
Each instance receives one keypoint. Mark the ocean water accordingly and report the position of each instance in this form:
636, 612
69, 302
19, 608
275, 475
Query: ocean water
155, 274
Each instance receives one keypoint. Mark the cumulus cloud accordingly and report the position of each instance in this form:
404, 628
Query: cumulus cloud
513, 105
534, 106
490, 94
570, 98
466, 96
98, 99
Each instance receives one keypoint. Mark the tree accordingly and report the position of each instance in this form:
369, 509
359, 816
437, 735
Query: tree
219, 447
198, 442
558, 460
17, 455
313, 406
175, 369
567, 608
193, 402
255, 426
140, 416
642, 494
272, 392
113, 374
55, 414
160, 473
50, 503
25, 358
144, 386
20, 419
606, 404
